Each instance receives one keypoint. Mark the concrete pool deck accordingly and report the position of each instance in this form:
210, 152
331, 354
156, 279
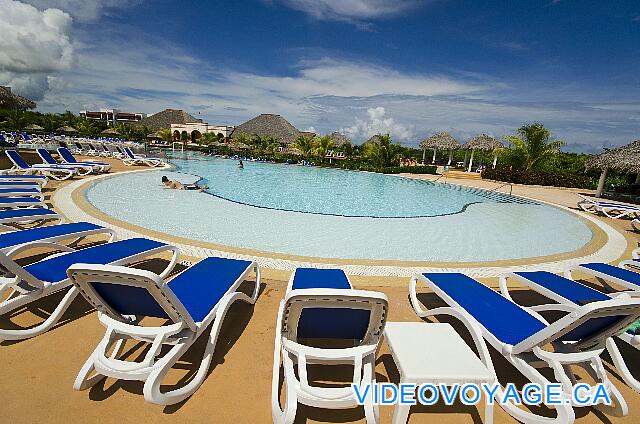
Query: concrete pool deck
37, 374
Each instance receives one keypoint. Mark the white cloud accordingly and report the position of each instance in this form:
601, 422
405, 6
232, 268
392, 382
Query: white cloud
33, 46
83, 10
351, 10
377, 123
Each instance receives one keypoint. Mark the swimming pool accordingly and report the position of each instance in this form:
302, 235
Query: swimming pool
328, 213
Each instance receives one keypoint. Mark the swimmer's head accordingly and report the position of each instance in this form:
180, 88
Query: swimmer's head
164, 179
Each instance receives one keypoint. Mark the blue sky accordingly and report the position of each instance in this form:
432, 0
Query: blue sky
407, 67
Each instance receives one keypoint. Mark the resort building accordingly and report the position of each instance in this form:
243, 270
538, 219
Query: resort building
195, 129
113, 116
9, 100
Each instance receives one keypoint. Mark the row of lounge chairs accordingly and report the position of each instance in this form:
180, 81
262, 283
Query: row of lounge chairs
319, 304
121, 152
612, 210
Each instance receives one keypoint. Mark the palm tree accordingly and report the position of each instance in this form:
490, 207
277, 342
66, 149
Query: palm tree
125, 130
323, 145
304, 144
16, 120
208, 138
165, 134
50, 122
86, 128
533, 146
384, 152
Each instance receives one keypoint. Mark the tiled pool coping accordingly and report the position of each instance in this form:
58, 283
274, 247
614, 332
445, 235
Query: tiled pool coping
607, 245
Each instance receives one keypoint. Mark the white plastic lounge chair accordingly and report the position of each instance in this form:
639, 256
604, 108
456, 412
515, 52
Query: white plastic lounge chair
23, 215
39, 179
636, 224
22, 202
131, 159
569, 295
81, 169
20, 192
521, 336
49, 275
21, 184
610, 209
194, 301
55, 172
606, 274
634, 262
320, 304
68, 158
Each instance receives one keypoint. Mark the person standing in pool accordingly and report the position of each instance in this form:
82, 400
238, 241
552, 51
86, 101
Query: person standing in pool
179, 186
240, 164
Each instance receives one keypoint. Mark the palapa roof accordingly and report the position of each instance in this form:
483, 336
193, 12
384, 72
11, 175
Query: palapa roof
483, 142
375, 139
308, 134
165, 118
625, 158
110, 131
33, 127
67, 129
268, 124
440, 141
339, 139
9, 100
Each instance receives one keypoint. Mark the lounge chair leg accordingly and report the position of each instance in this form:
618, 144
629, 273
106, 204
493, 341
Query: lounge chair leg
44, 326
621, 366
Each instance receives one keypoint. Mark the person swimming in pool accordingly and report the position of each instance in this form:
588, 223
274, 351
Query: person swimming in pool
240, 164
179, 186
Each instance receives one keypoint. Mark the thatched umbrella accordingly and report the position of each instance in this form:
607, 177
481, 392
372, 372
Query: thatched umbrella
33, 127
439, 141
293, 151
110, 131
238, 146
339, 139
625, 158
9, 100
484, 143
67, 129
268, 125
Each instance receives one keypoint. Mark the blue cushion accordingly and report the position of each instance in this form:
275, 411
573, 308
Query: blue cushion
15, 238
507, 321
614, 271
46, 156
70, 159
55, 269
129, 300
570, 290
17, 159
25, 212
8, 200
201, 287
19, 190
314, 278
6, 184
22, 177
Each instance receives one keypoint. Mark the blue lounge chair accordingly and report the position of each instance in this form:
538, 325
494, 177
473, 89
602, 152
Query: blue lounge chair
55, 172
19, 216
23, 178
21, 184
321, 304
194, 301
21, 202
521, 336
24, 284
606, 273
81, 169
569, 295
20, 192
68, 158
610, 209
131, 159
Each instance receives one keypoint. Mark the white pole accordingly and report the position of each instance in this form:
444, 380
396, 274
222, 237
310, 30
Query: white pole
495, 160
450, 157
471, 160
638, 178
424, 153
466, 157
603, 177
434, 156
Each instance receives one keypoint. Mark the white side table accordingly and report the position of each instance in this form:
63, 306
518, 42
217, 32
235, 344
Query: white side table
434, 353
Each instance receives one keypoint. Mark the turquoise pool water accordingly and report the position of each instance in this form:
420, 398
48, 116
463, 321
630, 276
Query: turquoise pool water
338, 214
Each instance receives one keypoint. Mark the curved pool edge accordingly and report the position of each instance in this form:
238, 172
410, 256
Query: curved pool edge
606, 245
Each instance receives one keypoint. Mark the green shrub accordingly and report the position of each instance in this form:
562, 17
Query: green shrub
544, 178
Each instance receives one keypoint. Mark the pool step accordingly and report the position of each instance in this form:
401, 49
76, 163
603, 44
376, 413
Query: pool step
462, 175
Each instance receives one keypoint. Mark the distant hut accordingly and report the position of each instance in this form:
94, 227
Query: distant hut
484, 143
9, 100
339, 139
439, 141
33, 127
67, 130
165, 118
308, 134
625, 159
268, 124
110, 131
374, 139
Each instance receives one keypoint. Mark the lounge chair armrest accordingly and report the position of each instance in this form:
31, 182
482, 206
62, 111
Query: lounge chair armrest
12, 253
329, 354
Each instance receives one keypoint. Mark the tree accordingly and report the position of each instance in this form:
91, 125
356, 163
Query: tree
533, 146
304, 144
323, 145
126, 131
384, 152
208, 138
144, 131
16, 120
165, 134
242, 138
86, 128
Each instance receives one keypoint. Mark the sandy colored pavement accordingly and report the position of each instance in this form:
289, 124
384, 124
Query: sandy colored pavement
37, 375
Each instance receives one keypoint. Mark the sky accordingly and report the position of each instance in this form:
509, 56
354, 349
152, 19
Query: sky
408, 67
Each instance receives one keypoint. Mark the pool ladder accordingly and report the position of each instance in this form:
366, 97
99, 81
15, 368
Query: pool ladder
504, 185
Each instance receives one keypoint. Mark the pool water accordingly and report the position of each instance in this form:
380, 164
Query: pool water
311, 211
